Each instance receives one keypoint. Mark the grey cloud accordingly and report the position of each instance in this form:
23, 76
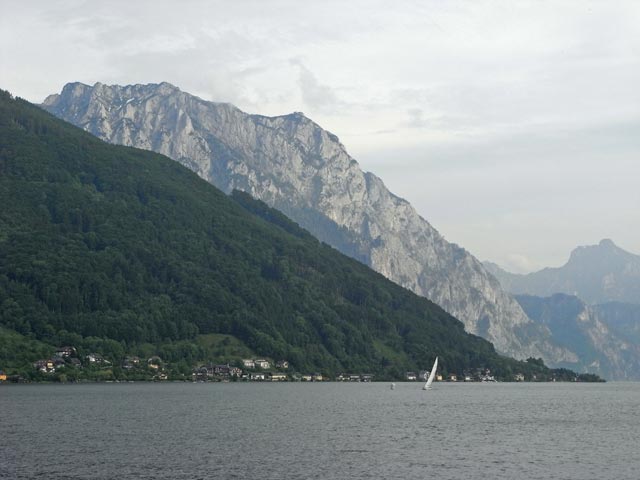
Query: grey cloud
520, 119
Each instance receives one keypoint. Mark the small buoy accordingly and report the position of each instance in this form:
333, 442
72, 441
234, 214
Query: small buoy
393, 386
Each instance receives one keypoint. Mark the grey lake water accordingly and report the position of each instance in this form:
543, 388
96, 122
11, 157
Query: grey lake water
320, 431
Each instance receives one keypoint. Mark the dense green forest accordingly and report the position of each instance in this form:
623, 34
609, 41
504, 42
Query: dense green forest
124, 251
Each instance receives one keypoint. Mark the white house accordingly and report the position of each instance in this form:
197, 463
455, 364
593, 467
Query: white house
264, 364
96, 358
248, 363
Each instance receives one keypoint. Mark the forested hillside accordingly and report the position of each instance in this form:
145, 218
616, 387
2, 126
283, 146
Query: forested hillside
116, 247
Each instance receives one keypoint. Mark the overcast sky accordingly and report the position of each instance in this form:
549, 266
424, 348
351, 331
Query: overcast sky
513, 127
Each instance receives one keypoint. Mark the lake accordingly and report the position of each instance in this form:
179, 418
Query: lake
320, 431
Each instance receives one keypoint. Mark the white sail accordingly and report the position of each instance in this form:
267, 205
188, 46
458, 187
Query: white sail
432, 375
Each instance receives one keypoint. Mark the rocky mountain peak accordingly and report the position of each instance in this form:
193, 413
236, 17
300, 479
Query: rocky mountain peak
294, 165
606, 255
607, 243
595, 273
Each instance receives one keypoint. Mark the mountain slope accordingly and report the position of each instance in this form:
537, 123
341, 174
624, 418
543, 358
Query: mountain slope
295, 166
601, 348
622, 318
596, 273
123, 244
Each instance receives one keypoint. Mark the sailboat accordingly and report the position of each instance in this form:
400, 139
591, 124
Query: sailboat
432, 375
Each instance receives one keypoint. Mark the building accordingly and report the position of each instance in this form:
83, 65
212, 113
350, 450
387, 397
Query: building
200, 374
283, 364
278, 377
411, 376
130, 362
154, 362
453, 377
248, 363
96, 358
224, 371
45, 366
518, 377
261, 363
221, 370
65, 352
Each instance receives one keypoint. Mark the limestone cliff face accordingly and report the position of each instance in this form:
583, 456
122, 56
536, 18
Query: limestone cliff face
294, 165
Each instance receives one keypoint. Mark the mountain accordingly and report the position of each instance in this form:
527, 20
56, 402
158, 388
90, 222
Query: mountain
122, 250
622, 318
304, 171
603, 343
596, 273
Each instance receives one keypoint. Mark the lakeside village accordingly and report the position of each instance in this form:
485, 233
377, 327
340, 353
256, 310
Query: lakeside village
67, 366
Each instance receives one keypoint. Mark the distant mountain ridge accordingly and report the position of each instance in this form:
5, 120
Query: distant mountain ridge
596, 273
602, 336
297, 167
